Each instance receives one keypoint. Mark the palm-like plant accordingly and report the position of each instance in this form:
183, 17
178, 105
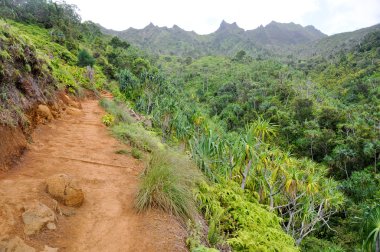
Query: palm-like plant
372, 231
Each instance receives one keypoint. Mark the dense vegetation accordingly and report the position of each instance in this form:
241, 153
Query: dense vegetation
289, 151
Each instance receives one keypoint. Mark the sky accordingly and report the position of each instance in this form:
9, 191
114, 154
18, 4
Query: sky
205, 16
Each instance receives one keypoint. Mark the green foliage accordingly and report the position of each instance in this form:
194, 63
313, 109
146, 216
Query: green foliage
247, 225
167, 183
85, 59
312, 244
137, 136
371, 230
136, 153
118, 110
108, 120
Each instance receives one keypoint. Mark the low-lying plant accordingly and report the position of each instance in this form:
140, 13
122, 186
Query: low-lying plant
167, 183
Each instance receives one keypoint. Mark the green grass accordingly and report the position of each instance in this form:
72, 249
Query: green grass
137, 136
122, 152
167, 184
118, 110
136, 153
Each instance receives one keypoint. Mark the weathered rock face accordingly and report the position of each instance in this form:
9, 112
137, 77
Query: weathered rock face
36, 216
65, 189
44, 112
15, 245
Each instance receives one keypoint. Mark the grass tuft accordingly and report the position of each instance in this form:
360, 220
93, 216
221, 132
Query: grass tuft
136, 153
167, 184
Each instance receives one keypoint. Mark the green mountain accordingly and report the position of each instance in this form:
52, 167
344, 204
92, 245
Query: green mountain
335, 43
228, 39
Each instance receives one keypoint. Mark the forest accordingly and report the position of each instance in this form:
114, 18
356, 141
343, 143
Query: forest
288, 147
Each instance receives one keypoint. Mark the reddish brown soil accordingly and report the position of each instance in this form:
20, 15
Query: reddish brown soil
81, 146
12, 144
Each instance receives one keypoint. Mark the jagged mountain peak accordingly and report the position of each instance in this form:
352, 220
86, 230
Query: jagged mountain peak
227, 26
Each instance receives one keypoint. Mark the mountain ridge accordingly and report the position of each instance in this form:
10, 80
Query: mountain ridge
273, 39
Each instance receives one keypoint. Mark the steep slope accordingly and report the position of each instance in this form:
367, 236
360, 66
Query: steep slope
226, 40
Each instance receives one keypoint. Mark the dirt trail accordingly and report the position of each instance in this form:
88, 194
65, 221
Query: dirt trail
81, 146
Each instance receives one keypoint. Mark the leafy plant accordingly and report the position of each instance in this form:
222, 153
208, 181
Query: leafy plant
108, 120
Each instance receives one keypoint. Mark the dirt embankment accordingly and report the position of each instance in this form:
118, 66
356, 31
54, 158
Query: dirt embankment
79, 145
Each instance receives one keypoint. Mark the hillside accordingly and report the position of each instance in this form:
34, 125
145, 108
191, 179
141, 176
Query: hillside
245, 147
226, 40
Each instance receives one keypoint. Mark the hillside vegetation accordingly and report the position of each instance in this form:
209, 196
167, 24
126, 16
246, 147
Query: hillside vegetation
228, 39
273, 154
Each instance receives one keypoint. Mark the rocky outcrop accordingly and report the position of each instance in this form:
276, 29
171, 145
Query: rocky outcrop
65, 189
36, 216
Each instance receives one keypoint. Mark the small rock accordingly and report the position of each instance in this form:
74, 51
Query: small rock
51, 226
15, 245
66, 99
68, 212
44, 112
65, 189
49, 249
36, 216
73, 111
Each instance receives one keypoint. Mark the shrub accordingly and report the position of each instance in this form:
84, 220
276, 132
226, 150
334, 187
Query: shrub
167, 183
85, 59
246, 224
108, 120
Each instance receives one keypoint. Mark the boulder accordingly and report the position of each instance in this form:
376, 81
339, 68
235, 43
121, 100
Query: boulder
36, 216
44, 112
15, 244
65, 189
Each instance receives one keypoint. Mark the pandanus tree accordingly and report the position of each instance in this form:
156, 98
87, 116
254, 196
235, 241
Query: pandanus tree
257, 134
371, 231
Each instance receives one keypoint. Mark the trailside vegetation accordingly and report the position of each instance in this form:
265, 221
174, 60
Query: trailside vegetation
275, 155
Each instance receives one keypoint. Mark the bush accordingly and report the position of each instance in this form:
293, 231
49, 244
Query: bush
108, 120
85, 59
313, 244
167, 184
237, 216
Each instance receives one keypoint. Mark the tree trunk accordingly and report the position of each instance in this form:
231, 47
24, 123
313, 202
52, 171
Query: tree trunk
245, 173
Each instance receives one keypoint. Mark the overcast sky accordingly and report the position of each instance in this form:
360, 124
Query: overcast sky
205, 16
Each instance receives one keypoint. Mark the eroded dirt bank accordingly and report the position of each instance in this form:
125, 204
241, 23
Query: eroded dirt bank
79, 145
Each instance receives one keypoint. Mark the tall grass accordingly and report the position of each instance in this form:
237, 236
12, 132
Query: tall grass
167, 183
137, 136
118, 110
169, 178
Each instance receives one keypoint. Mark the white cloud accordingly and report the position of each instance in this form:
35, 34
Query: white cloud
204, 16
